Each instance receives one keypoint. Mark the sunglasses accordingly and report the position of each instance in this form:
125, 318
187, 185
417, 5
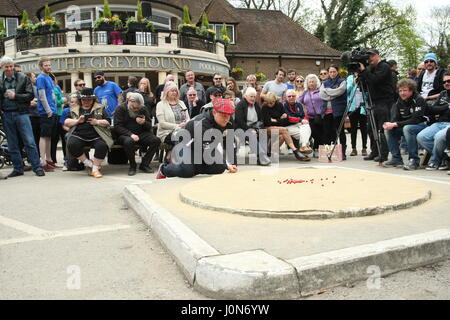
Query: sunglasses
298, 80
447, 81
192, 95
81, 85
323, 74
98, 77
290, 96
428, 61
217, 78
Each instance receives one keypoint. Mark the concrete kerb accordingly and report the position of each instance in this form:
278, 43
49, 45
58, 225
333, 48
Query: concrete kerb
257, 274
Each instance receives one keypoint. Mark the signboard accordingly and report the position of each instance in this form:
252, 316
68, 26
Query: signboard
125, 63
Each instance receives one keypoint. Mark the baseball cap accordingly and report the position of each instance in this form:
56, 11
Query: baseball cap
215, 90
224, 106
99, 73
373, 51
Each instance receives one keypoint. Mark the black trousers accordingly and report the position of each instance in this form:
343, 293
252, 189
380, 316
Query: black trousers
356, 118
328, 129
381, 115
59, 133
76, 147
189, 170
342, 137
316, 126
148, 143
448, 139
36, 126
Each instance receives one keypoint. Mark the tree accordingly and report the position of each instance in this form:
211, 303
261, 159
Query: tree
439, 37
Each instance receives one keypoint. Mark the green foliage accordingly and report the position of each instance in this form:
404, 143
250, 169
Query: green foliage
139, 11
2, 29
47, 13
186, 16
224, 34
106, 10
25, 19
205, 22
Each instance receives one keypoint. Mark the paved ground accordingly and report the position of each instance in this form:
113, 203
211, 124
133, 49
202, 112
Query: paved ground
69, 236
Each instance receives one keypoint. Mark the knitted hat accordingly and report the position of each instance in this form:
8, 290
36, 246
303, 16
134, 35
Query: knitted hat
431, 56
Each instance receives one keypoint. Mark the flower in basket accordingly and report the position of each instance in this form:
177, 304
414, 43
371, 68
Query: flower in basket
26, 25
186, 23
118, 25
260, 76
237, 72
224, 35
150, 26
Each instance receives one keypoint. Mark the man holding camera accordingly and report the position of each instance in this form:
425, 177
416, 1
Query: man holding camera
378, 78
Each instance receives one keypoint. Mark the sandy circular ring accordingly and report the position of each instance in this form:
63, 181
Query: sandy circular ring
305, 193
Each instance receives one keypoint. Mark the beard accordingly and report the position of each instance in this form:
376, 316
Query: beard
99, 82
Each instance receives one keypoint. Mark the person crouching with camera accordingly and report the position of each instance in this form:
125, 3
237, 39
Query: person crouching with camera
132, 125
378, 78
89, 127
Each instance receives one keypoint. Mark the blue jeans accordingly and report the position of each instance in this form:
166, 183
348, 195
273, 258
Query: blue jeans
432, 139
409, 132
15, 124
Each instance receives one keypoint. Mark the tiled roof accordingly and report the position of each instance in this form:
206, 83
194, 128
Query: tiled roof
272, 32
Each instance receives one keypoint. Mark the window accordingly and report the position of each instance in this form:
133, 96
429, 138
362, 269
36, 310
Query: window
85, 20
230, 31
10, 25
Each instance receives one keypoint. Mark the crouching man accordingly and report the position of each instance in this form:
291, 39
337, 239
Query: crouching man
133, 126
407, 119
193, 158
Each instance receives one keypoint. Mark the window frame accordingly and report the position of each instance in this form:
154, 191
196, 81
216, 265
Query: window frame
218, 27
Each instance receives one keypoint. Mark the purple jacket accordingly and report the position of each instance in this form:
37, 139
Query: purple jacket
314, 104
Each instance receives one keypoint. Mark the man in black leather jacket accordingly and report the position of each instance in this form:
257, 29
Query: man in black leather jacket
16, 93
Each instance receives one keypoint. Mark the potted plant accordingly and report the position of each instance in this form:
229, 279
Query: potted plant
104, 23
2, 30
25, 26
224, 35
136, 24
237, 73
49, 23
260, 77
186, 26
205, 29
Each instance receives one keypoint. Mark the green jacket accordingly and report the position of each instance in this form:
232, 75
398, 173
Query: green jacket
99, 113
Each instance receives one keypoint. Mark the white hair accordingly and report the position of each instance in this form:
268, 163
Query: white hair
249, 91
136, 97
309, 76
6, 60
290, 90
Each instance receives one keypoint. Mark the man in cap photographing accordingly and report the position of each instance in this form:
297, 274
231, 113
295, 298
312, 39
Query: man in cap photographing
378, 79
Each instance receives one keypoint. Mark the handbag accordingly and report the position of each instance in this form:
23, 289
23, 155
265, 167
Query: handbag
325, 150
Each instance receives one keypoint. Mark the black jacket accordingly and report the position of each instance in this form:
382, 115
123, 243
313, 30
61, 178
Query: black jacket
275, 113
410, 111
442, 106
438, 84
206, 121
195, 110
241, 114
24, 92
124, 125
379, 81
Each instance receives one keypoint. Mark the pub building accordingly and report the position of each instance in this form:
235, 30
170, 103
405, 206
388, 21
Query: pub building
259, 41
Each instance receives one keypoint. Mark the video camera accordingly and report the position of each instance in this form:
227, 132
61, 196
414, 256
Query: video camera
351, 59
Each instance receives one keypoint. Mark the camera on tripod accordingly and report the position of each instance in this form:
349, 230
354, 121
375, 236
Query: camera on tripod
352, 59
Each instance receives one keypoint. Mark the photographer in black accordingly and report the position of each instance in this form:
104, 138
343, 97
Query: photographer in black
377, 77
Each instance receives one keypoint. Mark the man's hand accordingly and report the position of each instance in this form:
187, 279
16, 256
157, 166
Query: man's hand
362, 67
49, 115
93, 121
81, 119
284, 116
181, 125
135, 137
389, 125
232, 168
33, 103
10, 94
140, 120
